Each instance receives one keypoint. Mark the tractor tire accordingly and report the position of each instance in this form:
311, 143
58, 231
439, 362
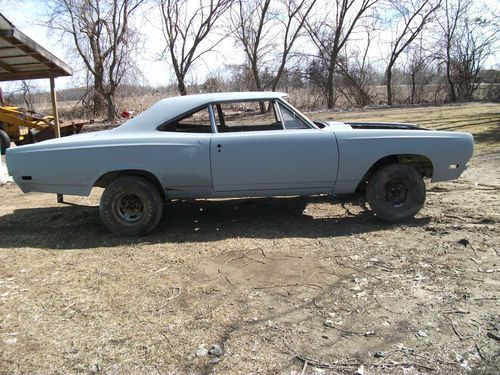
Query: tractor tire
31, 136
4, 141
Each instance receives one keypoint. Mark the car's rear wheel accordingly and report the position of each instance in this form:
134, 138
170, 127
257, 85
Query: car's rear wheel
4, 141
396, 192
131, 206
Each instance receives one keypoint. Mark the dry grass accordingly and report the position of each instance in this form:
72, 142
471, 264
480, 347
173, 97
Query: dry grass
480, 119
274, 281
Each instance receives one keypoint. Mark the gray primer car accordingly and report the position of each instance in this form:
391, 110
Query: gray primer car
141, 164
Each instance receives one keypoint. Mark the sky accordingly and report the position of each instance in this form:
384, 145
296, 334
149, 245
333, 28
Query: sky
25, 15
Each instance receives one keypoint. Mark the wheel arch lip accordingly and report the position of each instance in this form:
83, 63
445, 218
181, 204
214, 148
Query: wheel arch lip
425, 161
106, 177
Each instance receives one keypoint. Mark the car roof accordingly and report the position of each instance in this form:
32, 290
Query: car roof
170, 108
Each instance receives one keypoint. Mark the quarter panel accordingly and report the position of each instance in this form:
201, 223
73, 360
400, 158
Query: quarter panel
360, 149
180, 161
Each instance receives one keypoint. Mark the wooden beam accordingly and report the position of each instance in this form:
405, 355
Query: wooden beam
57, 129
30, 53
15, 43
7, 67
7, 33
28, 63
29, 45
30, 74
27, 54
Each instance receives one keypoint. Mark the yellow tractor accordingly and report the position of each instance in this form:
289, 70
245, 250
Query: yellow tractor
23, 127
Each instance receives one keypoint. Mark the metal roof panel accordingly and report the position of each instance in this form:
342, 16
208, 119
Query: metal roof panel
31, 60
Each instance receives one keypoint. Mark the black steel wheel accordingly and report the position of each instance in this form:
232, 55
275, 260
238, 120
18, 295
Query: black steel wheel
131, 206
4, 141
396, 192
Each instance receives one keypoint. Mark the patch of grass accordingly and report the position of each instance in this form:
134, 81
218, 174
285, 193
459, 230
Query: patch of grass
482, 120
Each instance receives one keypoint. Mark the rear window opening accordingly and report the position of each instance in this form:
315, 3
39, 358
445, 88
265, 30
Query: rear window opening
194, 122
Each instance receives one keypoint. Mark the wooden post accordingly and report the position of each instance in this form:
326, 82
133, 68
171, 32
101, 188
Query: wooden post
57, 129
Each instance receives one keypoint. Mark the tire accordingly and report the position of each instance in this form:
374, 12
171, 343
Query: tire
396, 192
131, 206
31, 136
4, 141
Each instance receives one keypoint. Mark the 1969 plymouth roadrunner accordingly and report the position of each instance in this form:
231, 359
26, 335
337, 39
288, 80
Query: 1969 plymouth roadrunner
250, 144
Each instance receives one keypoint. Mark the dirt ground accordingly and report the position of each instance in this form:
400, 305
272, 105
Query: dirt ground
305, 285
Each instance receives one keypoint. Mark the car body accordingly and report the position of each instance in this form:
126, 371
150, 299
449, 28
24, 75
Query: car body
214, 158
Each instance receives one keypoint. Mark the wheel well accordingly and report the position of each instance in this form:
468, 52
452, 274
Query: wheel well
421, 163
107, 178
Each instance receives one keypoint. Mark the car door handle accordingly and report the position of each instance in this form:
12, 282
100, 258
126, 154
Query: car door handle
219, 147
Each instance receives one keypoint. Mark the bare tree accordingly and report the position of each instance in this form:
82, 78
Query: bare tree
104, 40
356, 68
293, 23
472, 50
468, 37
267, 36
413, 15
248, 26
187, 25
330, 32
27, 97
452, 12
419, 69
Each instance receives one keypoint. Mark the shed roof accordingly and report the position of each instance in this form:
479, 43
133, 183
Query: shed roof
22, 58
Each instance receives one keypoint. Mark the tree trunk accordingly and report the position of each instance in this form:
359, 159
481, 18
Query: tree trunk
110, 107
389, 84
258, 85
361, 97
413, 87
451, 85
330, 92
98, 97
277, 79
181, 86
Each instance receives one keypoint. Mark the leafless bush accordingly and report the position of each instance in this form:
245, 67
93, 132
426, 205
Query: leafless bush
330, 29
468, 36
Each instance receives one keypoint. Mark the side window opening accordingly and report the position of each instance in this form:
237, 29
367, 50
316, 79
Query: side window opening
246, 116
291, 120
194, 122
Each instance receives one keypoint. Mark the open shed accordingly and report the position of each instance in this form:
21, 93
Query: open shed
21, 58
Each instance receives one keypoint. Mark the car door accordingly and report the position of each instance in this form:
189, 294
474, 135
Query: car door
274, 160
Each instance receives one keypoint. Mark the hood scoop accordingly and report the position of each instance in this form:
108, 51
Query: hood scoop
385, 125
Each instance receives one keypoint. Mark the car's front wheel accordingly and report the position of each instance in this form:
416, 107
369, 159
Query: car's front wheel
396, 192
131, 206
